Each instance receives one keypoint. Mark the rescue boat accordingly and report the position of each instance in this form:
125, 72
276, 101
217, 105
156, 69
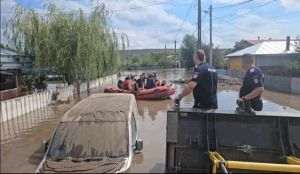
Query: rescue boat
158, 93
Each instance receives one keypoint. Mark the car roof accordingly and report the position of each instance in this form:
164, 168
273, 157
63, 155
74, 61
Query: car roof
102, 107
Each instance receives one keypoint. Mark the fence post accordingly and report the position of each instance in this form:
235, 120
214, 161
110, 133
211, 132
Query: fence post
22, 113
17, 115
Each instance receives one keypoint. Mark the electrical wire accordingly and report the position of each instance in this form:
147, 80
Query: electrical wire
250, 10
140, 7
234, 5
185, 18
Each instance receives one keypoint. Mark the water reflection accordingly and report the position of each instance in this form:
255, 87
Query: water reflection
152, 108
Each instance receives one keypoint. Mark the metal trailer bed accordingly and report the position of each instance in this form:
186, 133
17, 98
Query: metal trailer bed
227, 141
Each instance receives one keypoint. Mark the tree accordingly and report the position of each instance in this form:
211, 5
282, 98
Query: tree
188, 47
240, 45
218, 58
79, 46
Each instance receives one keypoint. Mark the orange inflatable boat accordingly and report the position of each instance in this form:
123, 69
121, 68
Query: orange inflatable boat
158, 93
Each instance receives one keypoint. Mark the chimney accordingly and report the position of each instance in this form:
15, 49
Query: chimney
288, 43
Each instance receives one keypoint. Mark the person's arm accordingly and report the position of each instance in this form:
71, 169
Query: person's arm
258, 83
187, 89
130, 85
253, 94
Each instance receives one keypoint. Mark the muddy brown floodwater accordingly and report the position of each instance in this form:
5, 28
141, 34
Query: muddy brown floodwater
24, 153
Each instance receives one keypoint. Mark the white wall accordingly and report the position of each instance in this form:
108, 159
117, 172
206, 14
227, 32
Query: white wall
295, 85
21, 105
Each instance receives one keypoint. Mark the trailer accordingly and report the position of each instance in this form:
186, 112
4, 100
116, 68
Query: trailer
227, 141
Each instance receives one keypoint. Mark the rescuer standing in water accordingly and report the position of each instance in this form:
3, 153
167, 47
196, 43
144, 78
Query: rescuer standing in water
253, 83
203, 84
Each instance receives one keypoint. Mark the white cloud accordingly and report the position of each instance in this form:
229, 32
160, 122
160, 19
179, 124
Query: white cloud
291, 4
149, 25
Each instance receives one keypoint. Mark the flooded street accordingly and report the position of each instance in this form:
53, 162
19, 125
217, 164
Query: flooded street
24, 153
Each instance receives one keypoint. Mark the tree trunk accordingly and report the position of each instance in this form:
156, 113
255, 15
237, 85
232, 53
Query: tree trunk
77, 86
88, 87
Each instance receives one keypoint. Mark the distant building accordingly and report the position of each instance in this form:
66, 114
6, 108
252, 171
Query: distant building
12, 61
267, 53
12, 65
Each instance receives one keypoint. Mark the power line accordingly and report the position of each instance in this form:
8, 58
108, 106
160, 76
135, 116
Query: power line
185, 18
139, 7
234, 5
250, 10
116, 10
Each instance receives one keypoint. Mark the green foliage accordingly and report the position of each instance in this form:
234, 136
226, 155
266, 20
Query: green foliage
218, 58
153, 59
240, 45
188, 47
78, 46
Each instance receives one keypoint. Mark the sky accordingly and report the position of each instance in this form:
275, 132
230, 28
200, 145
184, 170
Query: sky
154, 23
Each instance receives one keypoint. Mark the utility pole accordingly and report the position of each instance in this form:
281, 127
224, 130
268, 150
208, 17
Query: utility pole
165, 50
175, 52
199, 43
210, 36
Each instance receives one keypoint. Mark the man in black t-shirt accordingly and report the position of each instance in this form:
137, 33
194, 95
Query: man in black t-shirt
203, 84
253, 83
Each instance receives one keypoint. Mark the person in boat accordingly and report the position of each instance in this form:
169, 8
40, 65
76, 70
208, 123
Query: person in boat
120, 84
203, 84
135, 86
163, 83
127, 84
150, 83
141, 81
253, 83
156, 80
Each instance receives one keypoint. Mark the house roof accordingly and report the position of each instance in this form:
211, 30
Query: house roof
7, 52
265, 48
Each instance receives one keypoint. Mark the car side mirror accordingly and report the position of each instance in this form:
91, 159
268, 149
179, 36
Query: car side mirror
139, 145
45, 144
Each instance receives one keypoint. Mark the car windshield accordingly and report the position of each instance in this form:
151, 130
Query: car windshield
89, 141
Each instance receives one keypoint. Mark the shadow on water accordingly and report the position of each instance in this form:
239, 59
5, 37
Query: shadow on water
151, 108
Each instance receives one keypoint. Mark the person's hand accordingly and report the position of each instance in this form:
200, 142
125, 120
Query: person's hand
177, 101
245, 98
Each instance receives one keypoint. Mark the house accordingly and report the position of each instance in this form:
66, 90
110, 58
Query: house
12, 61
12, 65
267, 53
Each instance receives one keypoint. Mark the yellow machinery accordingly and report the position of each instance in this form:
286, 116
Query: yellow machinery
249, 142
219, 163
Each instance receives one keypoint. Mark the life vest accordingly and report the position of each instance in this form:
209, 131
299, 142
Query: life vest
127, 85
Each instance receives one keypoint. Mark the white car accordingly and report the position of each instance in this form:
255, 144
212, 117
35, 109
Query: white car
99, 134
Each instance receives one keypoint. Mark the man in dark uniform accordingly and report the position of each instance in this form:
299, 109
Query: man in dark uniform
253, 83
203, 84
